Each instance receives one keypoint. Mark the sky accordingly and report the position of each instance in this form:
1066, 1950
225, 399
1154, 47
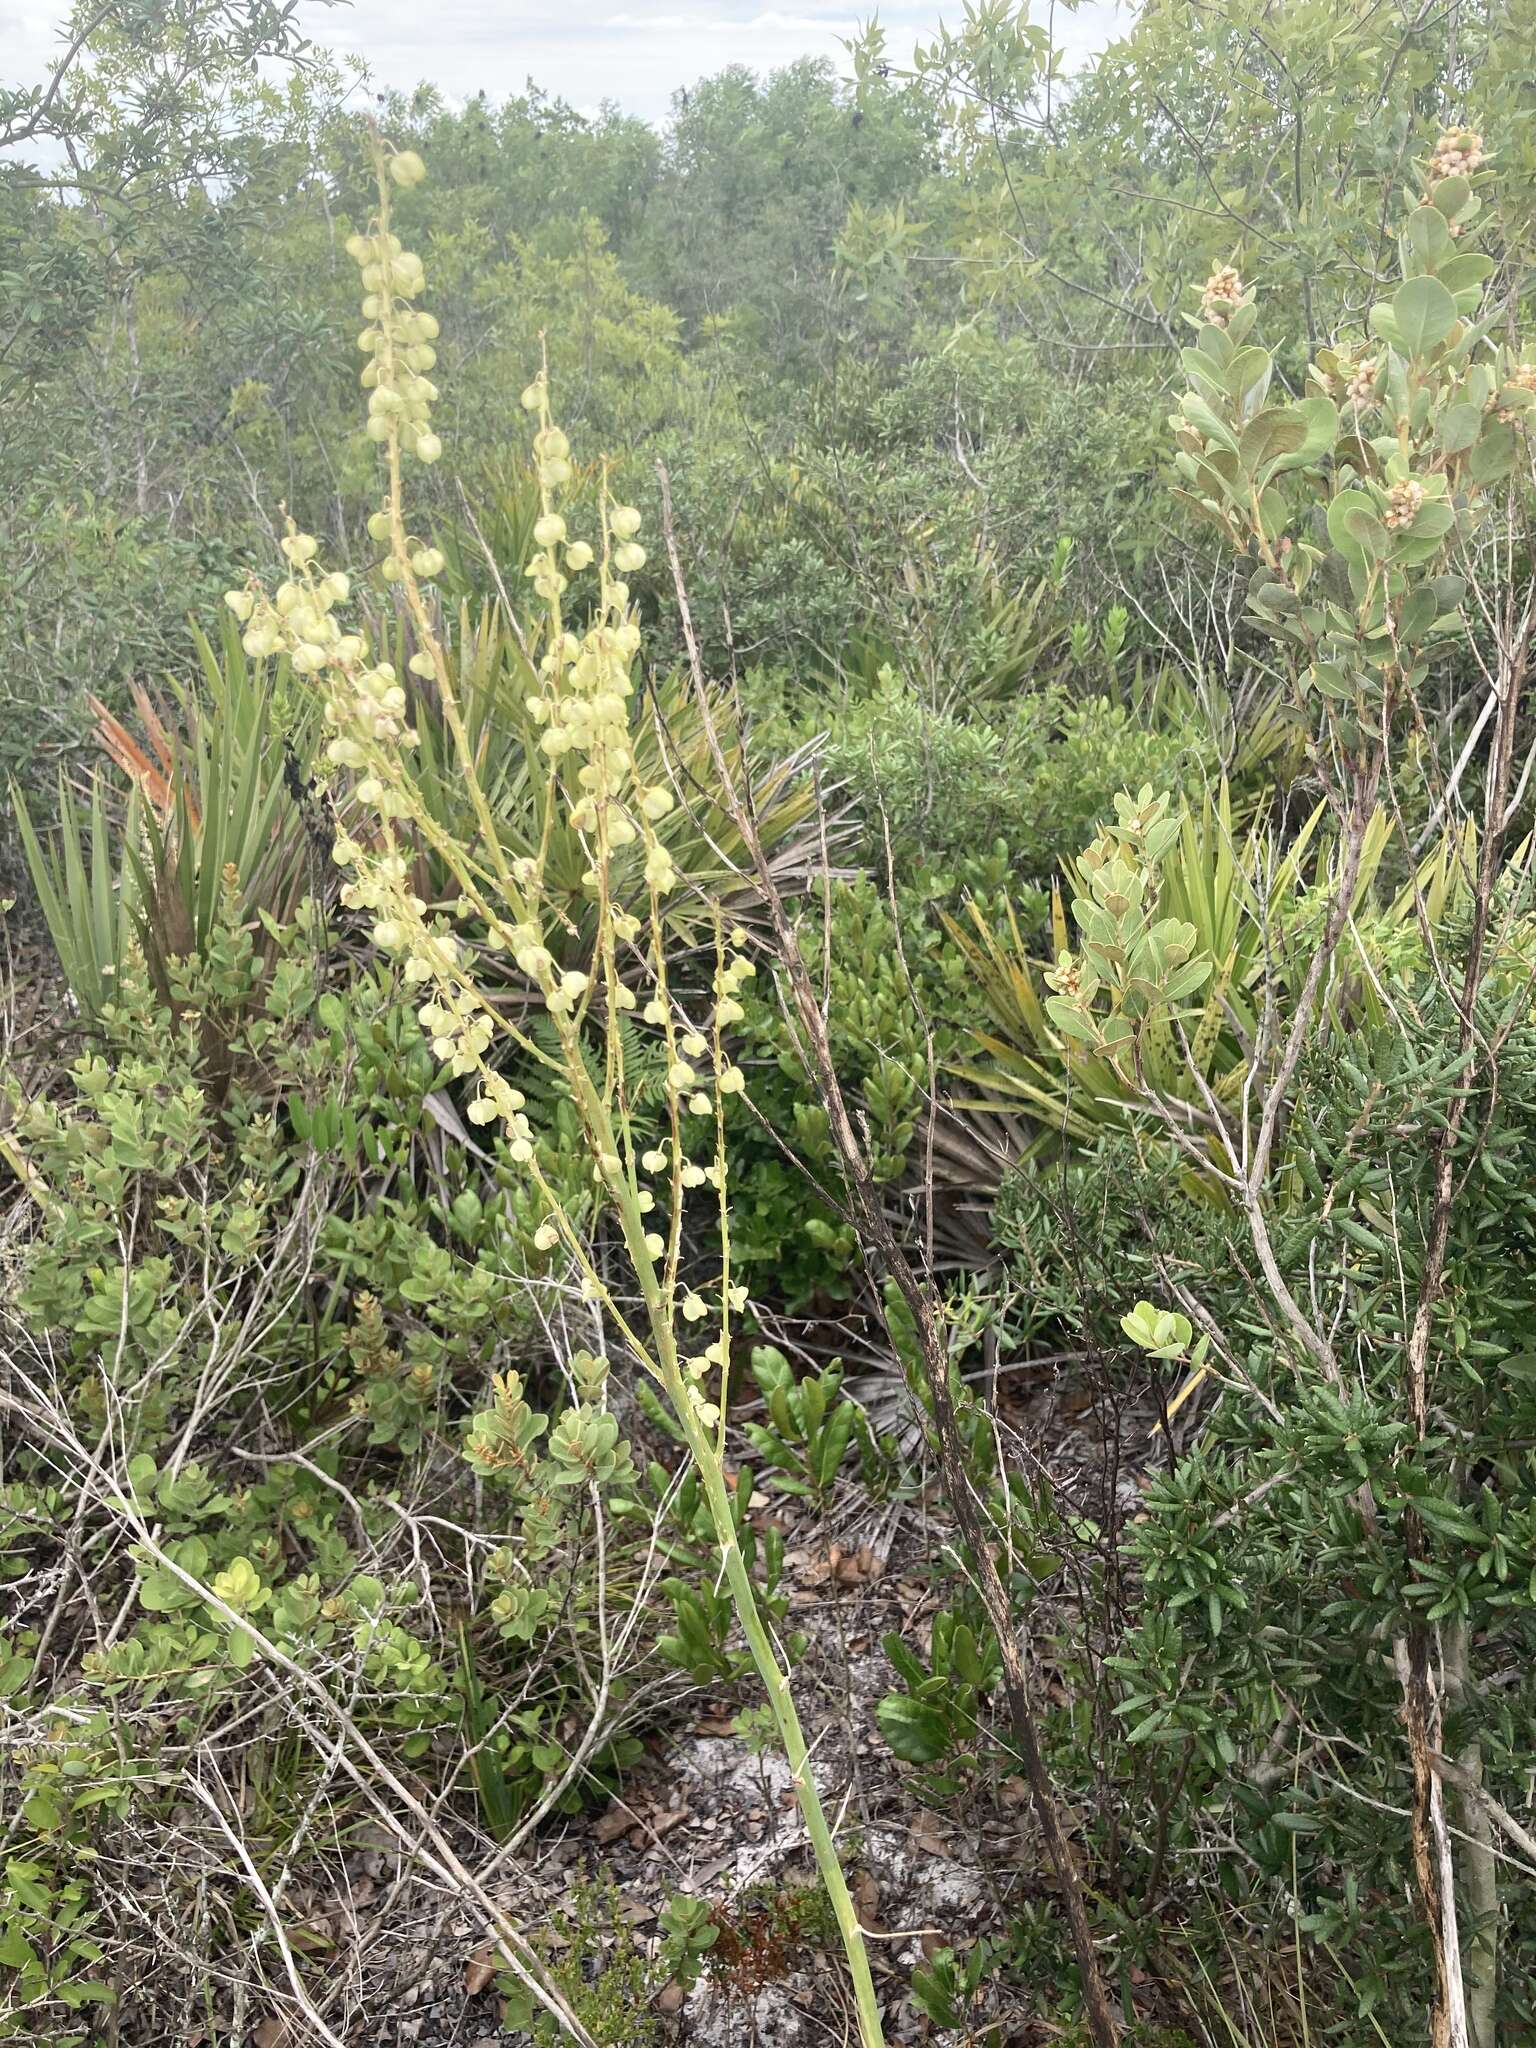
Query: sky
635, 52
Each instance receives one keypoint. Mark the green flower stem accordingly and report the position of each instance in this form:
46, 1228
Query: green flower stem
770, 1668
776, 1683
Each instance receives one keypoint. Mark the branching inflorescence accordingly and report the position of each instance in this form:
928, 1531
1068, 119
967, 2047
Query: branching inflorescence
680, 1333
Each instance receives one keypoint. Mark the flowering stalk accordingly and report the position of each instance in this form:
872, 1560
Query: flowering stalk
583, 705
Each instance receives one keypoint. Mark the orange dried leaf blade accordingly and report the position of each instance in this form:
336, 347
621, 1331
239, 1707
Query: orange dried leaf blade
120, 745
153, 721
154, 779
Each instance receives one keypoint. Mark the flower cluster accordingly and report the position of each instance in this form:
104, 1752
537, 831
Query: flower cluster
1457, 154
365, 701
1521, 378
1360, 389
585, 684
366, 705
698, 1366
1221, 295
1404, 502
297, 620
398, 338
582, 702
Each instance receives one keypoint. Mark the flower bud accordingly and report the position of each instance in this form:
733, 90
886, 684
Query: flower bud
427, 562
428, 447
623, 522
578, 555
549, 530
241, 603
407, 168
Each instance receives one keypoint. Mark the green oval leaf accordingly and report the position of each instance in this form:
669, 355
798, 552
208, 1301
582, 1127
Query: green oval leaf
1423, 313
1347, 515
916, 1732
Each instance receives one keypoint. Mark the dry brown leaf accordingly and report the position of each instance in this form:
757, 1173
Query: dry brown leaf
854, 1567
272, 2032
616, 1821
927, 1836
671, 1997
479, 1970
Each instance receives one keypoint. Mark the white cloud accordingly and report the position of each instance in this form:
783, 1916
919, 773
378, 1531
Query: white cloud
637, 56
708, 24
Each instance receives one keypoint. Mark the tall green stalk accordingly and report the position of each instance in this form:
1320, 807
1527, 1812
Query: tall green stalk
775, 1678
584, 688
